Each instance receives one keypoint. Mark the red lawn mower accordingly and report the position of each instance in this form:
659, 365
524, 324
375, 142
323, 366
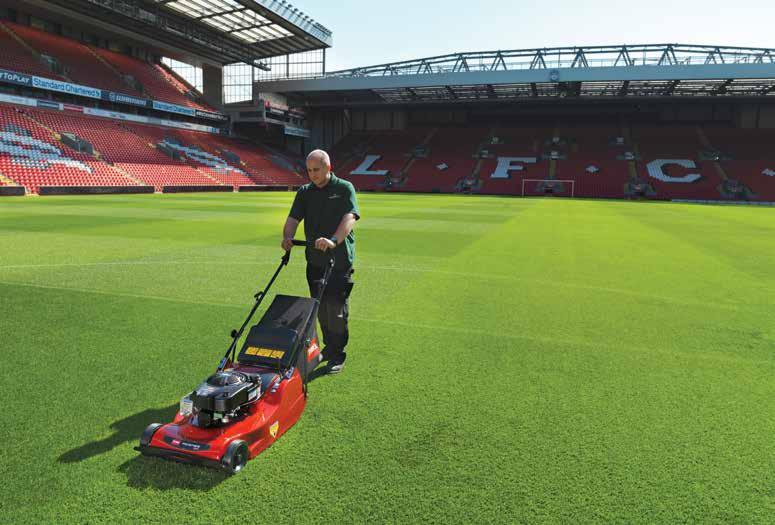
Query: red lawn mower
252, 398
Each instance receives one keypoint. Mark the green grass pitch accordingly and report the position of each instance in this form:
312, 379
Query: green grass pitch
511, 360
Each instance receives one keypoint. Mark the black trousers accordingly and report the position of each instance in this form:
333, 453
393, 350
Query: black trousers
334, 307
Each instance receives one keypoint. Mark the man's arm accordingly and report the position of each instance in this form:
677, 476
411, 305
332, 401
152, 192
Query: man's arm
289, 231
342, 231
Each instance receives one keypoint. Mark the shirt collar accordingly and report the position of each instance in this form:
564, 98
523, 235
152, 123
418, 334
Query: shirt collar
333, 180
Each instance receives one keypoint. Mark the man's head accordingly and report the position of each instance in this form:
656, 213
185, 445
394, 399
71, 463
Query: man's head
319, 168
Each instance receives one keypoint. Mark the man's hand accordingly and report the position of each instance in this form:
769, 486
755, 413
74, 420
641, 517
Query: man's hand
289, 231
324, 244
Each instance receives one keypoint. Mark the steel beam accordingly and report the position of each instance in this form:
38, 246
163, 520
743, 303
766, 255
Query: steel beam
527, 76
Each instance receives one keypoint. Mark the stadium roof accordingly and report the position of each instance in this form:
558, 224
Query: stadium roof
622, 71
275, 26
221, 31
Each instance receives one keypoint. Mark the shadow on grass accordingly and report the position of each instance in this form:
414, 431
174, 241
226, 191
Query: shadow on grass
124, 430
318, 372
144, 472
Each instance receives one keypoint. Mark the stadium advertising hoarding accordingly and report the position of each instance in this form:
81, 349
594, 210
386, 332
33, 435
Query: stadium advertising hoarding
19, 101
209, 114
48, 84
120, 98
48, 104
149, 120
66, 87
11, 77
297, 132
114, 115
173, 108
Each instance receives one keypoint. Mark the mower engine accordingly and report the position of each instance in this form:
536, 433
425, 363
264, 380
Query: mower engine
221, 397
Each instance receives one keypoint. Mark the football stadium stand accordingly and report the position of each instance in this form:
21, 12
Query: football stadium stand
18, 56
25, 50
40, 147
607, 161
448, 157
52, 148
79, 64
153, 79
30, 157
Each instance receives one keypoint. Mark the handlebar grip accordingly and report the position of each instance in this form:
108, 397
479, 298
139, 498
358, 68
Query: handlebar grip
311, 244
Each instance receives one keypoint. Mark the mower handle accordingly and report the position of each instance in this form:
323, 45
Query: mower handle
308, 244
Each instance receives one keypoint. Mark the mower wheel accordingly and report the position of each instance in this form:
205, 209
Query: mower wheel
148, 433
236, 456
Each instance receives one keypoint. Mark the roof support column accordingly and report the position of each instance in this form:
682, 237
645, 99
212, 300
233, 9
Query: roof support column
212, 85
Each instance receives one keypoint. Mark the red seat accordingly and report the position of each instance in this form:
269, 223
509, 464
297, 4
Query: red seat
80, 64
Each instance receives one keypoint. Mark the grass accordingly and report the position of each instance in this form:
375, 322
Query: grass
511, 360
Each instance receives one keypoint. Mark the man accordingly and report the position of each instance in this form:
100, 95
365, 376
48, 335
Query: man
329, 209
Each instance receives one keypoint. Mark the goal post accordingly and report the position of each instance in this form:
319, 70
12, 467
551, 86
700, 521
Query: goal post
549, 186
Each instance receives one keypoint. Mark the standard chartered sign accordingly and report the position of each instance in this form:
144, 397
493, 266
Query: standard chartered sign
173, 108
66, 87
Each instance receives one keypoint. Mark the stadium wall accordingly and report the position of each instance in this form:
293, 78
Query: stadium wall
379, 120
93, 190
12, 191
330, 125
327, 128
752, 116
257, 188
197, 189
766, 117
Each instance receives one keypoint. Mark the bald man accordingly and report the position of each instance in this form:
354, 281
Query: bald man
329, 209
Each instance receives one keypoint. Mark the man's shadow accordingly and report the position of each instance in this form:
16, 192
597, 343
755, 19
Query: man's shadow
124, 430
318, 372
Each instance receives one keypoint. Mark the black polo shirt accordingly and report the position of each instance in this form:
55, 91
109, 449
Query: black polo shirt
322, 210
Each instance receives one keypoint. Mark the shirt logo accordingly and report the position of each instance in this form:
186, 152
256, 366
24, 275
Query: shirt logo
334, 196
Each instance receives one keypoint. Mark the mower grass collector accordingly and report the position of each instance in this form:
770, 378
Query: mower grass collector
253, 399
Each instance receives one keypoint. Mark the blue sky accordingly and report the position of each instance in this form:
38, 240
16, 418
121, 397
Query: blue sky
368, 33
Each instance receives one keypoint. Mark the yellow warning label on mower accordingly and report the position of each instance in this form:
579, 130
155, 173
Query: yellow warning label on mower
264, 352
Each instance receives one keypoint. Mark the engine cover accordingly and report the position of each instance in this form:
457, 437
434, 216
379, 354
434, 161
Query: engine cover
225, 392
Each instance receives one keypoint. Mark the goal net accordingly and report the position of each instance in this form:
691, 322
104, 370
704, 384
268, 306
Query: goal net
559, 187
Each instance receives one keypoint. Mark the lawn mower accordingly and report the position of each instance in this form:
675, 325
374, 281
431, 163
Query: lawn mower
252, 398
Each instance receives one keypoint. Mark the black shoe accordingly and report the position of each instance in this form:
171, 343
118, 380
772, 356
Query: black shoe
327, 353
335, 364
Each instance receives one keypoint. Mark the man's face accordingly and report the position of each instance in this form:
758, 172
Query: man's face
317, 172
